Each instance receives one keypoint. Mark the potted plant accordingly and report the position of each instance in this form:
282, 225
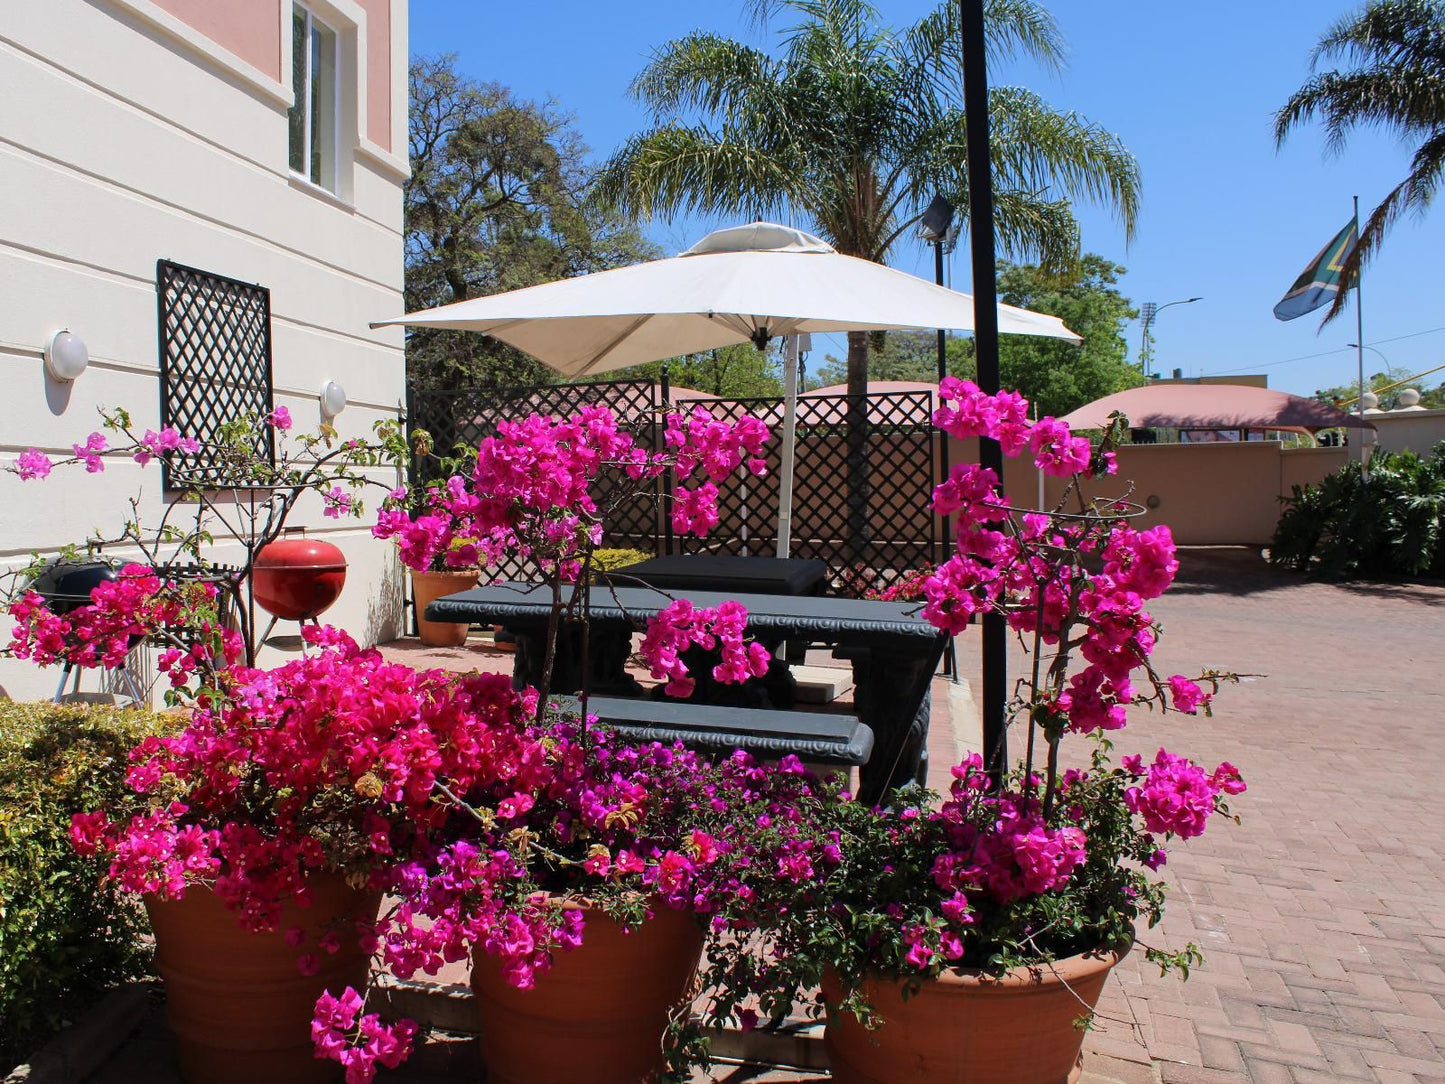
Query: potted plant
430, 540
576, 880
965, 937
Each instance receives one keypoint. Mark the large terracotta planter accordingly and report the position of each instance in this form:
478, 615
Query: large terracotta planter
427, 587
236, 1002
599, 1014
966, 1028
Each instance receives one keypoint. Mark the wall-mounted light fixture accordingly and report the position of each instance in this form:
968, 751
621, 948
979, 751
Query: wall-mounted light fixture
333, 399
66, 356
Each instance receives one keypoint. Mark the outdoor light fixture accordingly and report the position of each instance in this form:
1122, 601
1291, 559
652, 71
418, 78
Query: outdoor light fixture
333, 399
937, 220
66, 356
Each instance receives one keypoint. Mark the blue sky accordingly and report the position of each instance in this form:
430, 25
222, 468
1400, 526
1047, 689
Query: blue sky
1190, 88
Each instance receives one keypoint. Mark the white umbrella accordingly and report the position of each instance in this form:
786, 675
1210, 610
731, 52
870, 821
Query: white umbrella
743, 284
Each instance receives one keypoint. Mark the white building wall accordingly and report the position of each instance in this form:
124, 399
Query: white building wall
125, 139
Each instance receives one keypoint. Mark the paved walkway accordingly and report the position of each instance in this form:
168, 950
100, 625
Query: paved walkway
1322, 917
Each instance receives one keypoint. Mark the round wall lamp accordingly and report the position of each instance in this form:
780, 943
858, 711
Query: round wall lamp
66, 356
333, 399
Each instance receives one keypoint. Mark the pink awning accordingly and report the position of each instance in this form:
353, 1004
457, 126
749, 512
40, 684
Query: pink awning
1213, 406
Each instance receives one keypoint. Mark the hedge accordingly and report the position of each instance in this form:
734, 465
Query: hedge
65, 936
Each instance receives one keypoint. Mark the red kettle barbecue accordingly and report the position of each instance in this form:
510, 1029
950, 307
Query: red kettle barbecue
297, 579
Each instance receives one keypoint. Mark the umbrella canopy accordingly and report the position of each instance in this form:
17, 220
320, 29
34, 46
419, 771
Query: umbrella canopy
746, 283
1213, 406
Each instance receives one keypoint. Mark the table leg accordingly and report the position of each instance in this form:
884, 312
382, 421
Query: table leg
608, 651
893, 696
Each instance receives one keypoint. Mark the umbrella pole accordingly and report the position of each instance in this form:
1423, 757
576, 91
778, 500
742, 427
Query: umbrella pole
790, 434
985, 338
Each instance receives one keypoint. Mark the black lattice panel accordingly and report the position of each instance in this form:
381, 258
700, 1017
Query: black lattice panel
901, 531
215, 359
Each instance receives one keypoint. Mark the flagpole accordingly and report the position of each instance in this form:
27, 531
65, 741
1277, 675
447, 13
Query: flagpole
1359, 344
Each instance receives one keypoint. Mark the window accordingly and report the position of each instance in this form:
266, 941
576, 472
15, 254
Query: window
215, 355
313, 117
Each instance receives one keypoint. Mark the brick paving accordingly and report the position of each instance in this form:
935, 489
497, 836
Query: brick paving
1322, 917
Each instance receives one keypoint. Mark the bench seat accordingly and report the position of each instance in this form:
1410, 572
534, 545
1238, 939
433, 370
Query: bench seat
768, 734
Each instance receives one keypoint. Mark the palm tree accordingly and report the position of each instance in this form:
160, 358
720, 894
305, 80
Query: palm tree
855, 127
1396, 81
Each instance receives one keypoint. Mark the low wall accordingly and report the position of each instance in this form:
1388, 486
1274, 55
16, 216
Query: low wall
1413, 430
1208, 494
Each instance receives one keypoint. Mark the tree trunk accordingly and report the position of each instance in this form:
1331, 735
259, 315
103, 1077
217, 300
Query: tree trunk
860, 488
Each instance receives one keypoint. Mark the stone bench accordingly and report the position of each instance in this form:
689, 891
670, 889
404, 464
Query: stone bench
767, 733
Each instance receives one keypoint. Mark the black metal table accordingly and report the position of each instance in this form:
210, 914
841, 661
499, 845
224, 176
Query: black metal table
894, 651
728, 572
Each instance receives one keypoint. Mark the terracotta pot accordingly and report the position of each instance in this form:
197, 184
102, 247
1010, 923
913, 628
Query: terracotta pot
427, 587
237, 1004
599, 1014
967, 1028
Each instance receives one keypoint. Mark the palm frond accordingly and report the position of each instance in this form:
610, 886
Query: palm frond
705, 72
677, 168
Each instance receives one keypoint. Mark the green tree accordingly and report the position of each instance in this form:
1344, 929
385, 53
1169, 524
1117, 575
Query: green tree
854, 127
497, 200
897, 355
1054, 375
1343, 395
729, 372
1394, 78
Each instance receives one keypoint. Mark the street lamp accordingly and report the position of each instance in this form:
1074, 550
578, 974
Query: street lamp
1361, 392
1149, 312
937, 228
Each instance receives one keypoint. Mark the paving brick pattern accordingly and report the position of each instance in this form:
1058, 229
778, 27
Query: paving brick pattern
1322, 917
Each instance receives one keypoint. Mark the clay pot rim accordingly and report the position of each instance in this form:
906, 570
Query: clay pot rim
1024, 977
451, 573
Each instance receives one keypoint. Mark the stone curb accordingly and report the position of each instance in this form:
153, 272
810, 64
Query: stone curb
84, 1046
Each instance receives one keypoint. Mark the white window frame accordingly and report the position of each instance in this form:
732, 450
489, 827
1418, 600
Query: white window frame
337, 68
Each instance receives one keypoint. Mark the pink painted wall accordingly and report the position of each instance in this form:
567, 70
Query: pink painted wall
249, 28
378, 71
1208, 494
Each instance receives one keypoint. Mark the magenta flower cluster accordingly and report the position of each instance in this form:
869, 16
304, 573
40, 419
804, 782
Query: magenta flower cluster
530, 493
681, 625
135, 605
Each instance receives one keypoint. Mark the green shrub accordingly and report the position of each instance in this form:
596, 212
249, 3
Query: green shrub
1387, 524
65, 936
608, 559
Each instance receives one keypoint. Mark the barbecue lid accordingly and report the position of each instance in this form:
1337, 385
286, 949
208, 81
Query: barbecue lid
300, 553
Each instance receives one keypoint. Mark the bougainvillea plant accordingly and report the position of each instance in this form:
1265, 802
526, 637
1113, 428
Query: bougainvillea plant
1025, 864
172, 590
535, 492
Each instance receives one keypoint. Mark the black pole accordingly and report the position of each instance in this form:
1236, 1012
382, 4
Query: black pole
667, 479
985, 339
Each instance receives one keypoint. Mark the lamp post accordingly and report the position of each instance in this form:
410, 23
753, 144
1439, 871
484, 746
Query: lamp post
1363, 391
936, 227
1148, 313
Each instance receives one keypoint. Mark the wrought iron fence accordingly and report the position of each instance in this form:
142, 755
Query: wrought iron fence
900, 532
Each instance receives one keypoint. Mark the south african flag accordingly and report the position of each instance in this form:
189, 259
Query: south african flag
1321, 280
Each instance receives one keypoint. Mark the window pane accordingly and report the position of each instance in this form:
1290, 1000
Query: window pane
323, 106
296, 119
